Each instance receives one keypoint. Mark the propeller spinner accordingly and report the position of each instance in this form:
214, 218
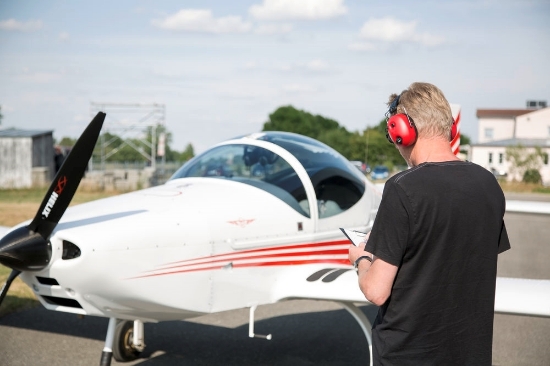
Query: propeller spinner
28, 248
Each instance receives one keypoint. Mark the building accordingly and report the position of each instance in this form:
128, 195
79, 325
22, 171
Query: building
499, 129
26, 158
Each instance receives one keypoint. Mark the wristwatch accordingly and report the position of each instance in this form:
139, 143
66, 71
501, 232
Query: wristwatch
356, 263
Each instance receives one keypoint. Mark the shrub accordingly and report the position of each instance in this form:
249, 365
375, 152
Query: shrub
532, 176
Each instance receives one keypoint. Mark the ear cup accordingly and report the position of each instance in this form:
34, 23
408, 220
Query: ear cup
400, 130
453, 130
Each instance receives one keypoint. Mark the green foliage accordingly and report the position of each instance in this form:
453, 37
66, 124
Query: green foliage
523, 159
381, 151
290, 119
371, 145
541, 190
532, 176
67, 142
465, 139
187, 154
338, 138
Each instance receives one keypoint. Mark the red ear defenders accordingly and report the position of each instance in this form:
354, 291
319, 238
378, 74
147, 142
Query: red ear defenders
401, 130
400, 127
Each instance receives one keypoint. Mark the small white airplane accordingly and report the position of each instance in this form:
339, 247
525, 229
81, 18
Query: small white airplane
252, 221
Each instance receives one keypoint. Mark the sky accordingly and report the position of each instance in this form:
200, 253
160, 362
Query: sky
221, 67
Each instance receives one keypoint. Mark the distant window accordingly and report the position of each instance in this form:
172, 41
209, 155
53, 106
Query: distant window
500, 158
545, 158
490, 158
489, 133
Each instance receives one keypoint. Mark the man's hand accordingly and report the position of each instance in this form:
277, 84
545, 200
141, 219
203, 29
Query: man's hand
357, 251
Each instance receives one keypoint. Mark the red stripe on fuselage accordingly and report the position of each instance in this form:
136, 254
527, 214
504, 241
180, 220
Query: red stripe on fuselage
260, 257
255, 264
250, 251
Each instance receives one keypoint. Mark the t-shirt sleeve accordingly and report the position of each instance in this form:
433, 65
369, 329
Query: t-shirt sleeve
390, 232
503, 241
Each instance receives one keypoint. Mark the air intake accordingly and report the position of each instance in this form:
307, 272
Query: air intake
70, 250
47, 281
61, 301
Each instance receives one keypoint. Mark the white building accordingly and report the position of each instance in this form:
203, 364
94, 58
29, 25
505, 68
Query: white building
502, 128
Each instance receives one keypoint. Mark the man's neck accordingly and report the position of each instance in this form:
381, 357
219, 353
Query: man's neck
431, 150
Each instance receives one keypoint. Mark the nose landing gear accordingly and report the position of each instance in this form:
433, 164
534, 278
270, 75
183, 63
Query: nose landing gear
124, 341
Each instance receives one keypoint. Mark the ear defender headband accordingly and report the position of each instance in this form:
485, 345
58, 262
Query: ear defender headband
400, 127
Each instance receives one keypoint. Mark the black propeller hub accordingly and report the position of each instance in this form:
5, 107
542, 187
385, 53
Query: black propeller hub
25, 250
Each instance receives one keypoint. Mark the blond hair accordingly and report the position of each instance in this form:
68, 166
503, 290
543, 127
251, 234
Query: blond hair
427, 107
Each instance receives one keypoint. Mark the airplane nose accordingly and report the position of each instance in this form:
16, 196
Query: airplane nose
25, 250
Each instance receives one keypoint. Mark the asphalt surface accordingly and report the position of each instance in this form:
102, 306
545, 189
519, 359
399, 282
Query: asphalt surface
304, 332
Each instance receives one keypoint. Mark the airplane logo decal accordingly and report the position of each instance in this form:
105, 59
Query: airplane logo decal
241, 222
331, 252
61, 183
327, 274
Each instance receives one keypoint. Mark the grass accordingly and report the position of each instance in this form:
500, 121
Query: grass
520, 187
16, 206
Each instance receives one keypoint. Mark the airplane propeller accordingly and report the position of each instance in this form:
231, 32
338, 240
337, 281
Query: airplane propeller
28, 248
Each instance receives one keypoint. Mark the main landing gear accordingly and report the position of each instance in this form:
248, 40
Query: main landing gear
124, 341
354, 311
362, 320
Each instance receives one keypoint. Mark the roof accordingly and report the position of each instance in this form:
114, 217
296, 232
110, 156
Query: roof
516, 142
502, 113
14, 132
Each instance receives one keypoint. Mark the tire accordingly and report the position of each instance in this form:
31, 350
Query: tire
123, 350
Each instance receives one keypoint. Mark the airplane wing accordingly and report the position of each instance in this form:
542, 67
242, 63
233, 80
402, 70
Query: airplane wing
521, 296
528, 207
516, 296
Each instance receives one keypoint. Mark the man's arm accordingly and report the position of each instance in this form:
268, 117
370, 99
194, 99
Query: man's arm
376, 278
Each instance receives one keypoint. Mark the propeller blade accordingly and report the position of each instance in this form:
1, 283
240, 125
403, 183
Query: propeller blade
67, 179
4, 290
27, 248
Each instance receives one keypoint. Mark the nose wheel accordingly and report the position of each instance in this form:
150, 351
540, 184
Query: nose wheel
124, 341
124, 348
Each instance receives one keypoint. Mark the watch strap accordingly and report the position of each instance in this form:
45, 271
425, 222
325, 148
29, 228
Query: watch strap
356, 263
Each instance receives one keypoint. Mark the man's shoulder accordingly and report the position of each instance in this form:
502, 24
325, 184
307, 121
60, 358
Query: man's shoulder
434, 174
436, 168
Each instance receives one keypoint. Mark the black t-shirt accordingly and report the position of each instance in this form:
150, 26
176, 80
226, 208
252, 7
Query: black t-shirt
442, 225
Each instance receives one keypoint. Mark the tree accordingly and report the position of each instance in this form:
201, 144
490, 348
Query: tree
187, 154
326, 130
67, 142
465, 139
524, 159
290, 119
370, 146
379, 150
1, 115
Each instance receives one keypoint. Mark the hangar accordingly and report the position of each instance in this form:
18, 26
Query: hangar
26, 158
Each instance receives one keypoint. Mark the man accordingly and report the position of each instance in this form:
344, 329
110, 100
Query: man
58, 157
431, 259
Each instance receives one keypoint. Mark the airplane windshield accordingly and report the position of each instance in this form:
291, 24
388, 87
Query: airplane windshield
338, 184
251, 165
